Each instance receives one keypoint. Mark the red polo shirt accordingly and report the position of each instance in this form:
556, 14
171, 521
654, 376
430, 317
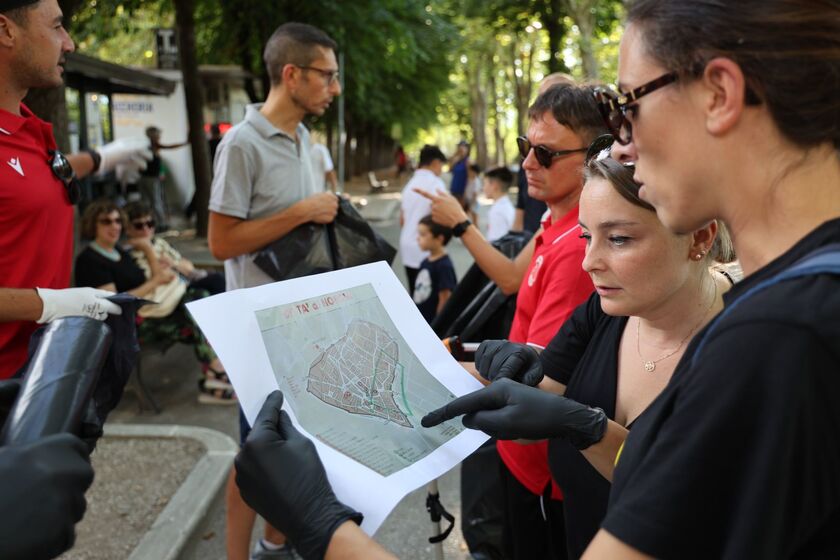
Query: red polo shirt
36, 223
554, 285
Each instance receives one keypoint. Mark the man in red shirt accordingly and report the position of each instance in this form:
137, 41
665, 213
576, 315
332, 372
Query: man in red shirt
550, 282
37, 190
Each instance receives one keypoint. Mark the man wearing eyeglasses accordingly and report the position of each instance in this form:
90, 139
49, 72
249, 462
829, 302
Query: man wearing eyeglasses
37, 183
263, 188
550, 282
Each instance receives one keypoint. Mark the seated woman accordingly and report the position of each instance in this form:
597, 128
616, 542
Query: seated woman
653, 291
141, 225
105, 265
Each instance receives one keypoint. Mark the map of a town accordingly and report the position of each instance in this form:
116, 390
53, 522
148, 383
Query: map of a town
352, 380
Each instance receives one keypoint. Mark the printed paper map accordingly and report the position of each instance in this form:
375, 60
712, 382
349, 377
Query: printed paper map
352, 380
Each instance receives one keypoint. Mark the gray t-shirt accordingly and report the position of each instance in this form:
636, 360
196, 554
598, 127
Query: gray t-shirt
259, 170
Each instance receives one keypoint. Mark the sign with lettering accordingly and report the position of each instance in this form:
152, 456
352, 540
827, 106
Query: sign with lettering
167, 49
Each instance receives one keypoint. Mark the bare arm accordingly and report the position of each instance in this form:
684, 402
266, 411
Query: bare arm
606, 546
82, 164
505, 273
230, 237
19, 305
443, 297
332, 180
349, 542
518, 220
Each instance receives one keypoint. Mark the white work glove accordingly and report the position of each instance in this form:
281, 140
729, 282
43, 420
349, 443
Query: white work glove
134, 151
76, 302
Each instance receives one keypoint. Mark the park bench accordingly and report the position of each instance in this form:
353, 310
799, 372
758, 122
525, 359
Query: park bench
375, 184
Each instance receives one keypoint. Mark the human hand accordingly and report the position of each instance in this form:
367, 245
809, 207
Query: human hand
127, 152
446, 210
43, 496
165, 261
498, 359
164, 275
141, 244
280, 475
76, 302
321, 208
509, 410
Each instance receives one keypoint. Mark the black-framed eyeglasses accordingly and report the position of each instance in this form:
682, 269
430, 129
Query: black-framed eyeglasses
63, 171
141, 224
331, 76
613, 105
545, 157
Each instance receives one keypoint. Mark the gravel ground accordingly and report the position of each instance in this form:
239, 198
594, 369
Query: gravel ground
135, 478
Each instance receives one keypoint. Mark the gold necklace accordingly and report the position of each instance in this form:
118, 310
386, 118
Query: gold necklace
650, 365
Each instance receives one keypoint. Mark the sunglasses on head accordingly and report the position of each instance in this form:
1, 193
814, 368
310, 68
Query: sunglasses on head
63, 171
613, 105
544, 156
140, 224
109, 221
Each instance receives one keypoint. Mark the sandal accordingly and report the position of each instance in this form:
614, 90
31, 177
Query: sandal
215, 379
214, 395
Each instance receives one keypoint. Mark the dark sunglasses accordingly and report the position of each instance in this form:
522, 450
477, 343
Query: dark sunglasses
545, 157
599, 149
140, 224
109, 221
613, 105
63, 171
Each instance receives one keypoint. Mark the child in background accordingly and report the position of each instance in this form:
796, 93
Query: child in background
472, 191
436, 278
500, 217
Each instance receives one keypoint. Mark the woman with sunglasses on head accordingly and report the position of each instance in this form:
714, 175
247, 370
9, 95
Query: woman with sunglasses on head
105, 265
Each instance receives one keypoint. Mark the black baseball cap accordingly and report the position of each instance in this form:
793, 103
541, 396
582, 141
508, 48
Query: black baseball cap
7, 5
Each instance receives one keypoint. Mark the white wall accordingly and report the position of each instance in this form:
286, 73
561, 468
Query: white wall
134, 113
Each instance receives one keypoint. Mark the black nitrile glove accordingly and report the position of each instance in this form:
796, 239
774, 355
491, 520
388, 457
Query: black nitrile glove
42, 496
280, 475
510, 410
499, 359
9, 390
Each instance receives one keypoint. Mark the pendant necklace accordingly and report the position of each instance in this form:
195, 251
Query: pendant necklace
650, 365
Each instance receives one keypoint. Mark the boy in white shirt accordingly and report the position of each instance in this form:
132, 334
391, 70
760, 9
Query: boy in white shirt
497, 181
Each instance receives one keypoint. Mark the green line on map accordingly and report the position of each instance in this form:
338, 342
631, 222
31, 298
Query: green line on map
402, 387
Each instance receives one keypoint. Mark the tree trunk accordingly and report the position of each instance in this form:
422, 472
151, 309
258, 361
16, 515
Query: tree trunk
581, 11
478, 110
50, 105
552, 20
499, 157
521, 90
185, 22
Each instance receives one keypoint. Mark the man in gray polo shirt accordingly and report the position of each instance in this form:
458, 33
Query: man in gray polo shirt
263, 188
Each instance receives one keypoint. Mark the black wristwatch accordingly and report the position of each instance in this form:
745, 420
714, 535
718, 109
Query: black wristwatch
459, 229
96, 157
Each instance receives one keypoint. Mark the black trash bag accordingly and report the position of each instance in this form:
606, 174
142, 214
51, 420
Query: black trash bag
477, 309
67, 350
353, 240
314, 248
482, 518
303, 251
59, 380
